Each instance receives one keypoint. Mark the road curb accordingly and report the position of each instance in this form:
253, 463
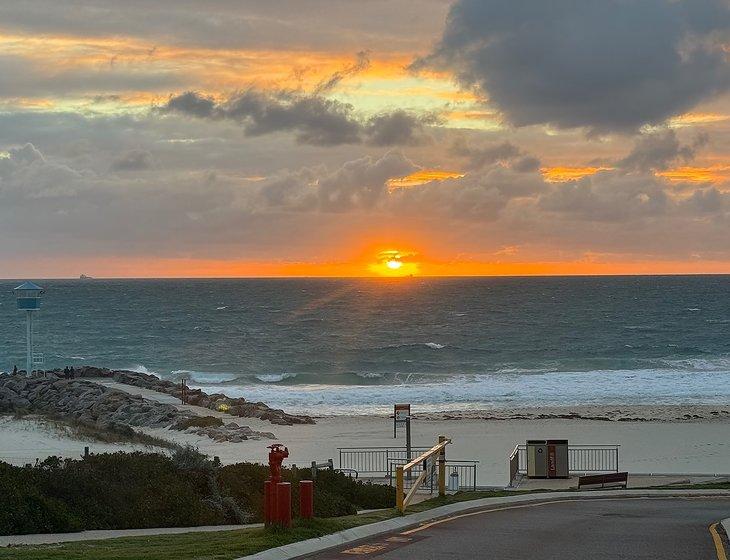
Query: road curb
320, 544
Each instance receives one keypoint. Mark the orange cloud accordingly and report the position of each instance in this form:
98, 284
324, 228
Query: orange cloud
421, 177
710, 174
689, 119
562, 174
205, 68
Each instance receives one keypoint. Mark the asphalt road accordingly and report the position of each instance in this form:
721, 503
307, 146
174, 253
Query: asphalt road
642, 528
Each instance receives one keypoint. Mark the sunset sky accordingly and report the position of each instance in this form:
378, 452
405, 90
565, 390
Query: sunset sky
378, 137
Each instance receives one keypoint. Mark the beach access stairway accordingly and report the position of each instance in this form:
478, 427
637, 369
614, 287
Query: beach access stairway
381, 463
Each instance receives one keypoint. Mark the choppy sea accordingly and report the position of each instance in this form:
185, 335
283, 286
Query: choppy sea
339, 346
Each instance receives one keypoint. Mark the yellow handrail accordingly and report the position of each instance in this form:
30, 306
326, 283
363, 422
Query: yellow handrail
402, 500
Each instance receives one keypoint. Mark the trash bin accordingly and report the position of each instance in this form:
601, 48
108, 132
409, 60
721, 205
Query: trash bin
537, 458
454, 481
557, 458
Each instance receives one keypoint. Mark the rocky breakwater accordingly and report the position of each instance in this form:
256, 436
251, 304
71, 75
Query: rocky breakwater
96, 406
216, 401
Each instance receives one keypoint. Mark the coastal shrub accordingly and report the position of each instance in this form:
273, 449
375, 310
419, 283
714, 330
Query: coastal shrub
25, 509
131, 490
189, 458
335, 494
199, 422
363, 495
140, 490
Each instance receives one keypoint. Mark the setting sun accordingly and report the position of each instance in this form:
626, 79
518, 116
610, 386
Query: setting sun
395, 263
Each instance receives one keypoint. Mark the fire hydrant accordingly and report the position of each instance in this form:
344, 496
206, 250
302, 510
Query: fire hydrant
277, 494
276, 457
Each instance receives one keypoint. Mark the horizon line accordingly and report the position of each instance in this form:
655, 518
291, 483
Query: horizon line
371, 277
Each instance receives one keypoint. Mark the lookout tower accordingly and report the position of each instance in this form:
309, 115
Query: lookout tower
29, 295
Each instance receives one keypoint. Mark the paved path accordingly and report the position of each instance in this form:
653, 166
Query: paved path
626, 528
52, 538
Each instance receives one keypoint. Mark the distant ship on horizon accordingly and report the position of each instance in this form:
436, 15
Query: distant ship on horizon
84, 277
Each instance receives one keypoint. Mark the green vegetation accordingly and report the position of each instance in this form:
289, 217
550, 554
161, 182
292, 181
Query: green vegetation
224, 545
118, 433
140, 490
199, 422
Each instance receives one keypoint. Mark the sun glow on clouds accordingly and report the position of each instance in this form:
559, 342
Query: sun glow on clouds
421, 177
689, 119
710, 174
686, 174
563, 173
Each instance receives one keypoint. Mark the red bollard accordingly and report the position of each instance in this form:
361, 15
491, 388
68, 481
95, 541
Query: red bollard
306, 499
283, 504
269, 503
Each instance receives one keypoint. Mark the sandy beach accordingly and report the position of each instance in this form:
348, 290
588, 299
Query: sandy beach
23, 440
646, 447
653, 439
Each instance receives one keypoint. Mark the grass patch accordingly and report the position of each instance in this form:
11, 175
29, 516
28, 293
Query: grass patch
83, 431
224, 545
74, 429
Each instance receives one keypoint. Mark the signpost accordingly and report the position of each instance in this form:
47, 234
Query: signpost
402, 415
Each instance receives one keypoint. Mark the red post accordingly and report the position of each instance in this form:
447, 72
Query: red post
306, 499
269, 502
283, 504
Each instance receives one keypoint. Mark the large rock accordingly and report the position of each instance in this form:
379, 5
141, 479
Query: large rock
94, 405
216, 401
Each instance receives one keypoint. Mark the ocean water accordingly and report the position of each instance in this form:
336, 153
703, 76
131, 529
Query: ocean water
338, 346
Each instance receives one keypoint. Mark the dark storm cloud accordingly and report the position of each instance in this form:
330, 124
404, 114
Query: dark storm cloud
609, 65
398, 128
659, 150
505, 152
191, 103
314, 119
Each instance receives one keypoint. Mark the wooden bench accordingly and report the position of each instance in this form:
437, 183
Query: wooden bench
611, 479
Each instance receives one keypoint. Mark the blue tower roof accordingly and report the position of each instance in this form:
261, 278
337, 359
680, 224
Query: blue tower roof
29, 286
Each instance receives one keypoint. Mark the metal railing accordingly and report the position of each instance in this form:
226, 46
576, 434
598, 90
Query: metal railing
375, 461
581, 459
465, 470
